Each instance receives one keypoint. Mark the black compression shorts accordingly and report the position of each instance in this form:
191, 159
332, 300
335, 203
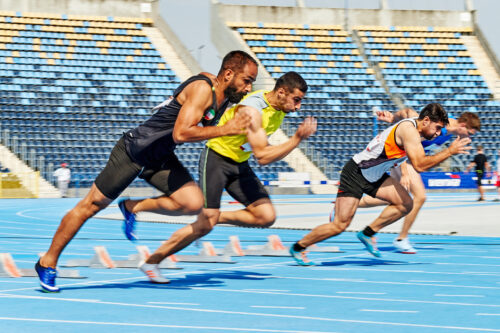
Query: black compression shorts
218, 172
354, 184
121, 170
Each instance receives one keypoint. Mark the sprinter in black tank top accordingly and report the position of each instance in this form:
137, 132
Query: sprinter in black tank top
148, 151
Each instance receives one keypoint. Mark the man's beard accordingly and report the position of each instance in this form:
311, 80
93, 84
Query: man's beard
430, 137
232, 95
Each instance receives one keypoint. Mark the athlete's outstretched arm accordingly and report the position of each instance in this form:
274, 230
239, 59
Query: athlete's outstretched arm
409, 137
263, 151
196, 99
390, 117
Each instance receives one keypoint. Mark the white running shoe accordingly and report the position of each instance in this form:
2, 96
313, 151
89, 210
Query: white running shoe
153, 273
404, 246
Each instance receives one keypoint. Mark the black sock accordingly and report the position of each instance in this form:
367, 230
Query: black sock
368, 232
298, 248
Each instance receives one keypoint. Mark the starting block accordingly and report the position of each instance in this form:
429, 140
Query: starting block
208, 254
273, 248
8, 268
101, 259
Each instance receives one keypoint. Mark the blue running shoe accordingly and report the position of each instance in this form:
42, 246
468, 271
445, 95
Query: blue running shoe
129, 222
370, 243
301, 258
47, 278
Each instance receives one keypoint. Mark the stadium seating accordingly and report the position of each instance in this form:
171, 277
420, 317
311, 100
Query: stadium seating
431, 64
71, 85
342, 88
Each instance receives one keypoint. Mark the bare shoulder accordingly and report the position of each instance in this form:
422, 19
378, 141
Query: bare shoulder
198, 91
407, 129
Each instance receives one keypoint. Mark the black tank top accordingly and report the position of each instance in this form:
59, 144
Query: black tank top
152, 141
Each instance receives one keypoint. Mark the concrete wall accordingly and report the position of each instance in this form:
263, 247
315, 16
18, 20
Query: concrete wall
337, 16
78, 7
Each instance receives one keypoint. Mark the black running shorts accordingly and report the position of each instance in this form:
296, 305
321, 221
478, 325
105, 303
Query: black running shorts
354, 184
121, 170
480, 175
218, 172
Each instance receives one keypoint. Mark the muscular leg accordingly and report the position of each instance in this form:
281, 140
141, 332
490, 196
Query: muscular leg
345, 208
259, 214
186, 235
481, 192
369, 201
400, 203
417, 189
188, 200
90, 205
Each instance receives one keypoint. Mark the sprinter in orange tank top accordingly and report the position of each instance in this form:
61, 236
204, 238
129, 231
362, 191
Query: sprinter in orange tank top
366, 173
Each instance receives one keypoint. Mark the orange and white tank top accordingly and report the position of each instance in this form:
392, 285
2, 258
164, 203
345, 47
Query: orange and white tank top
381, 154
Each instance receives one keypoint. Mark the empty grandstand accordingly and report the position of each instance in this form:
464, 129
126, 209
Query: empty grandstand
72, 84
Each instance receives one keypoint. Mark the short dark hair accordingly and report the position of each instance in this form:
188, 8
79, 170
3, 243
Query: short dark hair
435, 112
479, 147
471, 120
236, 61
291, 81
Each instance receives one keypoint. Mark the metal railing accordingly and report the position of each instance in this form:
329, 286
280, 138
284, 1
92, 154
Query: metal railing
29, 156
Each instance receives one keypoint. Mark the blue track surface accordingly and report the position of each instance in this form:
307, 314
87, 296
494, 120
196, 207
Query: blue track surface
451, 285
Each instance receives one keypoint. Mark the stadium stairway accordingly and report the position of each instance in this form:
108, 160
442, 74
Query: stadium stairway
20, 169
167, 52
483, 63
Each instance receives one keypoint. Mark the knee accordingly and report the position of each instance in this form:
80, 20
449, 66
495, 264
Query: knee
266, 220
264, 217
407, 206
193, 206
419, 200
336, 227
204, 229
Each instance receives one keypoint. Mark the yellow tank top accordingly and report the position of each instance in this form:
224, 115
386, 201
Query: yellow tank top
236, 147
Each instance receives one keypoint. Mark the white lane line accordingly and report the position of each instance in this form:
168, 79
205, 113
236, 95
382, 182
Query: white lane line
113, 273
82, 300
257, 314
16, 281
389, 311
430, 281
446, 295
173, 303
277, 307
359, 293
271, 290
487, 314
197, 328
407, 271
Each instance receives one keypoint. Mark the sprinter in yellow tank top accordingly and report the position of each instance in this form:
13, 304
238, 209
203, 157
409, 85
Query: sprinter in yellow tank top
366, 173
224, 165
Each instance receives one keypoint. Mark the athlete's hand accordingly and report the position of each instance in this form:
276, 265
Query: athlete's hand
385, 116
307, 128
239, 124
460, 146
